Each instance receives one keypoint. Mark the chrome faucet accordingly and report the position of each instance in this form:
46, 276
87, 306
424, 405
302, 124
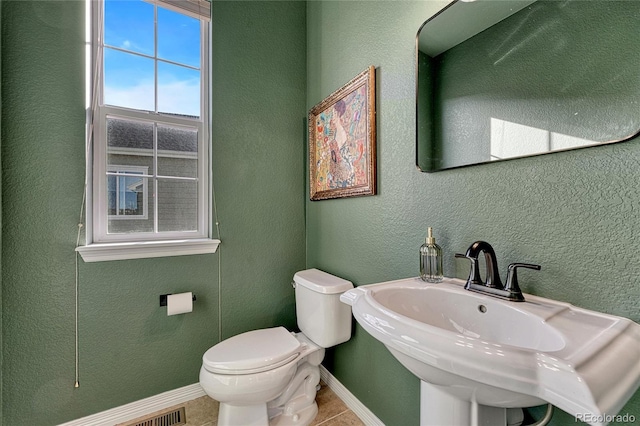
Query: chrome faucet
493, 285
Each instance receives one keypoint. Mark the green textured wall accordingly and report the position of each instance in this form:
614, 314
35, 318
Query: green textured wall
259, 96
42, 180
575, 213
0, 214
129, 348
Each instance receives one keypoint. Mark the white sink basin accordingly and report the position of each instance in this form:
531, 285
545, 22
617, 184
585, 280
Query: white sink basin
496, 353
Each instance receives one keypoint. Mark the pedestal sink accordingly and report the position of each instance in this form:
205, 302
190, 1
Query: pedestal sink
477, 355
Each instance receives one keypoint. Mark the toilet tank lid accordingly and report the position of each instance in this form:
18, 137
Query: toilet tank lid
321, 282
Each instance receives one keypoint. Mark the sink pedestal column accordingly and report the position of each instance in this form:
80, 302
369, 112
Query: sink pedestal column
438, 408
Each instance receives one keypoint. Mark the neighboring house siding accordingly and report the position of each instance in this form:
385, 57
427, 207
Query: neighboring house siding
177, 206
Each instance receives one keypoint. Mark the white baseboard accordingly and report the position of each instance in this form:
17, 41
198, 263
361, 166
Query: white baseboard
140, 408
360, 410
187, 393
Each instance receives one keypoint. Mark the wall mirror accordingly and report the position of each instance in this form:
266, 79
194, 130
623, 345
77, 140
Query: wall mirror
501, 79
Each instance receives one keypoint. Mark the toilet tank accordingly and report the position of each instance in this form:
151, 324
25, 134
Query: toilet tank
321, 316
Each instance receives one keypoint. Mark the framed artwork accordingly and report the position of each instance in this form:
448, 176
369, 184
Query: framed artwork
342, 141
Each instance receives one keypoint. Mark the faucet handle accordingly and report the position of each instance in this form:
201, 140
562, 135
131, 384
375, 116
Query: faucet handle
474, 272
512, 277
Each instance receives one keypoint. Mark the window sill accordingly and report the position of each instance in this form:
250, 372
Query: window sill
140, 250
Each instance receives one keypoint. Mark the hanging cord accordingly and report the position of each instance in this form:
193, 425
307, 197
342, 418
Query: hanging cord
214, 207
219, 287
80, 226
217, 224
87, 149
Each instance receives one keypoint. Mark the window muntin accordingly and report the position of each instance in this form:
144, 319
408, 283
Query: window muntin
150, 127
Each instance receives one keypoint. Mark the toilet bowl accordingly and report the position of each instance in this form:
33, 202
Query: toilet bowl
270, 376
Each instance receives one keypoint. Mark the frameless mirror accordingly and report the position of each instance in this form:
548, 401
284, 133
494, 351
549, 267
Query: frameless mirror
501, 79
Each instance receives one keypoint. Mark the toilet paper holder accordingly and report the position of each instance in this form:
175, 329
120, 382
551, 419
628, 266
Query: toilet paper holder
163, 299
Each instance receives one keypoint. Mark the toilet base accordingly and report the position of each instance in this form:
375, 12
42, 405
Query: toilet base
243, 415
297, 404
302, 417
256, 415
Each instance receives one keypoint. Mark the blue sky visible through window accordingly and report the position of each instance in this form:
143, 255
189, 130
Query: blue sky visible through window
130, 57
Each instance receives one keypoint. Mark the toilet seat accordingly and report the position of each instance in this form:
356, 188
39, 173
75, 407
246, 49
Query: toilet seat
252, 352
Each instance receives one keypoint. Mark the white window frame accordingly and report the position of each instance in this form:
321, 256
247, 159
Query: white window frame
100, 244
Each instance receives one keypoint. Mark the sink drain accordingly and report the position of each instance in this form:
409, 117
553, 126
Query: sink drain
482, 308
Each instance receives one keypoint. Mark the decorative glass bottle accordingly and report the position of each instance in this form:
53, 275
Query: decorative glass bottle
431, 259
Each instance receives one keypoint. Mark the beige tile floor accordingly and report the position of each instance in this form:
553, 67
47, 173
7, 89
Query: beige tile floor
332, 411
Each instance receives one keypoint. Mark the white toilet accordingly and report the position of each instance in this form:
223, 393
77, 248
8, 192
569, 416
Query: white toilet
269, 376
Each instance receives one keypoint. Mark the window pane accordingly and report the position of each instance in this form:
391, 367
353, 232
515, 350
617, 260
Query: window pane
177, 205
130, 143
130, 204
131, 195
178, 90
129, 25
126, 195
128, 80
178, 38
177, 152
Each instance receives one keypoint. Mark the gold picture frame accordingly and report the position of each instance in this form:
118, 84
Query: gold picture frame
342, 141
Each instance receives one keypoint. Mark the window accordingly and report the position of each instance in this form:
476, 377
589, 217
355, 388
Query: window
149, 123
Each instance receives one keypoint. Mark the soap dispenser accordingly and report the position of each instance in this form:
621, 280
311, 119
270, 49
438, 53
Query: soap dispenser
430, 259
